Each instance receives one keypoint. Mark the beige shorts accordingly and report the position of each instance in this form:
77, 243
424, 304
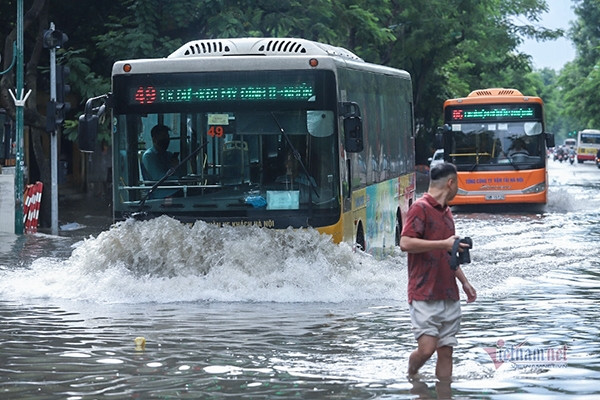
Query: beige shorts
437, 318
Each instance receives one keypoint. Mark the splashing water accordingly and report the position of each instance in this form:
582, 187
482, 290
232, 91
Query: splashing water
163, 260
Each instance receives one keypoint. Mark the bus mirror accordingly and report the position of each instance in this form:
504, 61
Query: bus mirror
352, 127
439, 136
550, 140
444, 129
353, 134
438, 141
87, 132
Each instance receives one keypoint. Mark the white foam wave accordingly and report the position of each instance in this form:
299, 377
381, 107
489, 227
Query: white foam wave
162, 260
560, 200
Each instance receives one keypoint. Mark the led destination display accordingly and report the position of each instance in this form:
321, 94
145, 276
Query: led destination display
200, 94
222, 91
492, 112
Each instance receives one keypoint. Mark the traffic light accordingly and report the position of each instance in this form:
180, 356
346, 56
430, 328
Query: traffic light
57, 108
62, 89
54, 39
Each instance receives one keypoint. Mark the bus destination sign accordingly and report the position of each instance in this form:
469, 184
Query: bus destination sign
200, 94
493, 112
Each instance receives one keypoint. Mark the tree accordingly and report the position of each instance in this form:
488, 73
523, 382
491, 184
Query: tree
580, 79
452, 49
36, 21
33, 19
448, 48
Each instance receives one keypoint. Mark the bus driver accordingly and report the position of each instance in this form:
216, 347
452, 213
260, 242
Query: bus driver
157, 160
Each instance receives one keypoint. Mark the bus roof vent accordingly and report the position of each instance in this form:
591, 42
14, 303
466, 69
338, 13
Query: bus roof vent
495, 92
259, 47
215, 47
302, 46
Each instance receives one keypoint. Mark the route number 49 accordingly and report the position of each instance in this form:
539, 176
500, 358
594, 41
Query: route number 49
216, 131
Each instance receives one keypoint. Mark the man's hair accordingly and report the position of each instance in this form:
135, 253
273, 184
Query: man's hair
157, 129
442, 170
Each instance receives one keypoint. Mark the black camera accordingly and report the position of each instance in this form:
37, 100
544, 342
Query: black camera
465, 257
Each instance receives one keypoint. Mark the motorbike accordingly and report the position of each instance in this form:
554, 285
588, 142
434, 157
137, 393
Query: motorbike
571, 158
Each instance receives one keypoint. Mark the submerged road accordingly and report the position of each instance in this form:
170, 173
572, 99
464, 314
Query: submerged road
247, 313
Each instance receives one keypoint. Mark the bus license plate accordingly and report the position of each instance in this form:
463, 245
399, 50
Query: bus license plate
495, 196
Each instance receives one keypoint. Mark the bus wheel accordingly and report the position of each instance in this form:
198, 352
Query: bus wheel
360, 238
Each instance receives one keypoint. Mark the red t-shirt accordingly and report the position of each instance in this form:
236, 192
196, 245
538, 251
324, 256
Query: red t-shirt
429, 273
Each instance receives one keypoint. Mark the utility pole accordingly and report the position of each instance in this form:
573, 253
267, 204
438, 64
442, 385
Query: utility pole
55, 111
53, 139
19, 105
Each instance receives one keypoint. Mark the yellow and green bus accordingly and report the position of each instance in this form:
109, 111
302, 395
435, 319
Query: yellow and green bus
270, 132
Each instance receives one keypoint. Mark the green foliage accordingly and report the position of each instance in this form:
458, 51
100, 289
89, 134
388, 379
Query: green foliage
579, 81
449, 48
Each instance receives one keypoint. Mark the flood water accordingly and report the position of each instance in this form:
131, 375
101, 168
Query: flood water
246, 313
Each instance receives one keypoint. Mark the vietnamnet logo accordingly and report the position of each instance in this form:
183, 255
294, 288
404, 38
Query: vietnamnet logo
523, 356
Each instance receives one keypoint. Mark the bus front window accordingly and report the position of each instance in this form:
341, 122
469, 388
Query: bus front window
496, 145
233, 161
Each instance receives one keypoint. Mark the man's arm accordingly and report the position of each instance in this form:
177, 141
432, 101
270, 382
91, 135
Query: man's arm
468, 289
418, 245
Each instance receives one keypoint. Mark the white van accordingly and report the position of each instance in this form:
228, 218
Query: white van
438, 158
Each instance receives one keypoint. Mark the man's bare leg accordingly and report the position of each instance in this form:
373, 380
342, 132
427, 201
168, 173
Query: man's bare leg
443, 368
426, 347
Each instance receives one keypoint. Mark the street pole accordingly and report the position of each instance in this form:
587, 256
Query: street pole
55, 112
53, 143
19, 105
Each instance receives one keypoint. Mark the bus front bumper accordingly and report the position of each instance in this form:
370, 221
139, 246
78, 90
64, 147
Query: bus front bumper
534, 194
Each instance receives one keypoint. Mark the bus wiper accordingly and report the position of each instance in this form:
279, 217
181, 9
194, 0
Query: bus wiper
476, 164
296, 154
167, 175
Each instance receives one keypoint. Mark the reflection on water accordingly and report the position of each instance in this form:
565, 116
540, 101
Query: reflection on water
247, 313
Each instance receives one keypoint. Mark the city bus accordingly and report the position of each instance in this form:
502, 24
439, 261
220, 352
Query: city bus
268, 132
588, 144
496, 139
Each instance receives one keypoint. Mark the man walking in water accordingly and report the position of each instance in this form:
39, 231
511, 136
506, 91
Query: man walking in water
428, 237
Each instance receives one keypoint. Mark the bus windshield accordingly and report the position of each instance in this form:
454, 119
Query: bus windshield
590, 138
272, 151
498, 145
588, 144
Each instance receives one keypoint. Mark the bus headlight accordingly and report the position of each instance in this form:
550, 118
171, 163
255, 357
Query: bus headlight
540, 187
